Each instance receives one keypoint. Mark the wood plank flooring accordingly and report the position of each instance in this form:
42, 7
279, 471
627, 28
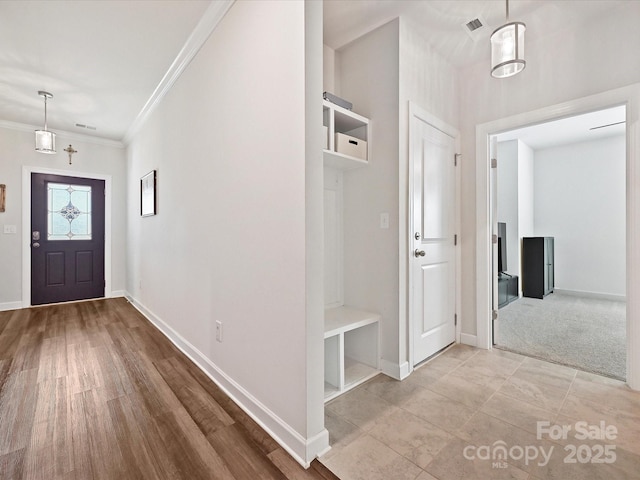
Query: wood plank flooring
91, 390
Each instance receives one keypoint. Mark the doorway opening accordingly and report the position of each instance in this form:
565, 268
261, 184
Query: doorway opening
67, 238
433, 224
82, 269
559, 272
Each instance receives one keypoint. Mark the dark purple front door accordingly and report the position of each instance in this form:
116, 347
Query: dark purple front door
67, 238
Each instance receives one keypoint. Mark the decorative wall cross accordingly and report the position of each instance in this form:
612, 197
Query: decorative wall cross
70, 151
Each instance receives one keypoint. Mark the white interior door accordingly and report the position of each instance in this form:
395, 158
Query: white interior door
433, 222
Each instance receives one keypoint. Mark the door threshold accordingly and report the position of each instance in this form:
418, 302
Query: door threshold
67, 302
437, 354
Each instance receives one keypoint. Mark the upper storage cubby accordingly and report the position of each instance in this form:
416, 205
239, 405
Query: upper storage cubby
346, 144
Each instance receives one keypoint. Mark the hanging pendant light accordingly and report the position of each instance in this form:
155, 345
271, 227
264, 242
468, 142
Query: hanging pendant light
507, 49
45, 140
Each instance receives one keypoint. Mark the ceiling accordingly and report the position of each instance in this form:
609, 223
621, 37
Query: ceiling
580, 128
443, 20
444, 23
103, 59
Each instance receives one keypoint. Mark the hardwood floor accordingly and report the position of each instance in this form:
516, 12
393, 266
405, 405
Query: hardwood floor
92, 390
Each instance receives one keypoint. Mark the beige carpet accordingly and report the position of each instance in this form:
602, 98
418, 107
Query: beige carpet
584, 333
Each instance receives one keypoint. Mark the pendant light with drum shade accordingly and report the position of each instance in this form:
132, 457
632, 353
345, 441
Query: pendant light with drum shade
45, 140
507, 49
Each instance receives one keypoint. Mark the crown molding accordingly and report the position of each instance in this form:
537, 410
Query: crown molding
23, 127
205, 27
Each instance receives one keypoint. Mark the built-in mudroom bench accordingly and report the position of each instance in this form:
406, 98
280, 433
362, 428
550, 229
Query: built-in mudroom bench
351, 338
350, 349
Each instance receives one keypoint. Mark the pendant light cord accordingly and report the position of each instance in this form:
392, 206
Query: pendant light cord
45, 113
507, 10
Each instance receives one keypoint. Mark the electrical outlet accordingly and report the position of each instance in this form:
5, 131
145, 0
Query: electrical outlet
384, 220
219, 331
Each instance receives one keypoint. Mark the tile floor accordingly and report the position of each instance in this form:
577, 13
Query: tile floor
472, 413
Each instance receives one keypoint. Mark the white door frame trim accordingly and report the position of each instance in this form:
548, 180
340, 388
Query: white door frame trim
26, 225
629, 96
418, 112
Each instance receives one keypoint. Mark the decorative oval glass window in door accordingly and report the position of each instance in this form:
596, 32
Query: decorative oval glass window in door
68, 212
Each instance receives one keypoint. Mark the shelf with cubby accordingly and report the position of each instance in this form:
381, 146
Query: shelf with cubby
339, 120
351, 349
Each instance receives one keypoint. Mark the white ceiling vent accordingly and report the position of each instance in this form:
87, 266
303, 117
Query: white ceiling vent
475, 28
474, 24
88, 127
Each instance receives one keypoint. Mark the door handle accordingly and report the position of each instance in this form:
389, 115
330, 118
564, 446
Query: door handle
36, 244
419, 253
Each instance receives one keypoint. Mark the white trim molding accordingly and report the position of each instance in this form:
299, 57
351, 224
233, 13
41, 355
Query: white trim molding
26, 225
205, 27
10, 306
301, 449
628, 96
594, 295
394, 370
467, 339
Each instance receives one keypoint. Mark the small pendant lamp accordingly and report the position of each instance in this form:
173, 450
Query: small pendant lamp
507, 49
45, 140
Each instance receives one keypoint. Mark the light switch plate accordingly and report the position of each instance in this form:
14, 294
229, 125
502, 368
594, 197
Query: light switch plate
10, 229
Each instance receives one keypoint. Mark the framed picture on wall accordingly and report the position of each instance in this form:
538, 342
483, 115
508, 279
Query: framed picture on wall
148, 194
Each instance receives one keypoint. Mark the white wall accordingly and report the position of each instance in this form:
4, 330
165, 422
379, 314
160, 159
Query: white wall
508, 202
370, 253
526, 192
406, 69
94, 156
429, 81
515, 196
317, 437
576, 194
330, 70
571, 64
229, 241
580, 200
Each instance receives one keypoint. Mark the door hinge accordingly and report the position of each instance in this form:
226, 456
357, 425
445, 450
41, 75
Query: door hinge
494, 238
455, 319
456, 157
494, 315
455, 239
494, 163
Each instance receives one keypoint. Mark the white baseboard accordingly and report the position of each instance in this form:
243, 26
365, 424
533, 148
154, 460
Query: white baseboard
117, 293
596, 295
10, 306
394, 370
303, 450
467, 339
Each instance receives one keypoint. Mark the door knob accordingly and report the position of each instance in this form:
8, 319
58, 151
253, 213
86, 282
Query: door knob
419, 253
36, 244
